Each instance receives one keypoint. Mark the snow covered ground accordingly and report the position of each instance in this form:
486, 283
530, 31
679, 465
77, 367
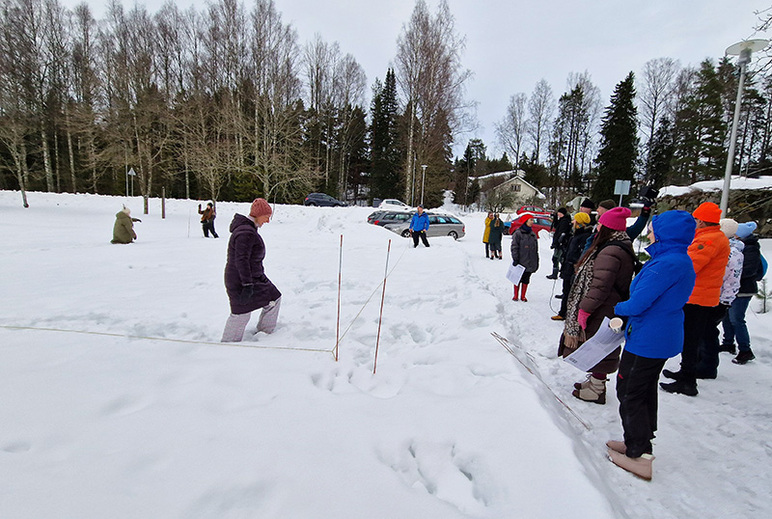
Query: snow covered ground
116, 399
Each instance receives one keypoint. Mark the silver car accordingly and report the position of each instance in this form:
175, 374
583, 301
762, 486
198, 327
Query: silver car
439, 225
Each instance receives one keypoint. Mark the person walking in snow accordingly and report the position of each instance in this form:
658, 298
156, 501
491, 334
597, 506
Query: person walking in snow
247, 285
525, 252
207, 219
574, 250
560, 240
419, 224
123, 229
752, 272
602, 280
653, 333
709, 252
496, 231
487, 234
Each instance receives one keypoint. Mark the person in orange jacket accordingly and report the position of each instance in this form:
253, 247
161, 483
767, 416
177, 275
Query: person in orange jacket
709, 252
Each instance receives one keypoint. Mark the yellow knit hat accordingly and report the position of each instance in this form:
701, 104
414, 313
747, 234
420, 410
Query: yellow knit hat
582, 218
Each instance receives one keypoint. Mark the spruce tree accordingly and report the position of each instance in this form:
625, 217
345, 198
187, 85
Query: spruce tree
661, 150
618, 154
385, 178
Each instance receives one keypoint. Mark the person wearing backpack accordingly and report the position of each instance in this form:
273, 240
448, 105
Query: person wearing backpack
602, 280
752, 272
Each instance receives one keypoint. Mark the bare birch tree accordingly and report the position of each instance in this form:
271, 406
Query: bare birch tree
512, 129
541, 107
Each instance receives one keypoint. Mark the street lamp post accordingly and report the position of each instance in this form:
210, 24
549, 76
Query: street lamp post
423, 182
743, 49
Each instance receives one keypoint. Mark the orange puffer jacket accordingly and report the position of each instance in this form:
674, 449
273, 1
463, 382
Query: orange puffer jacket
709, 252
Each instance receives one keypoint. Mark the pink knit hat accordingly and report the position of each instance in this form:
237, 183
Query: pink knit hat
615, 218
260, 207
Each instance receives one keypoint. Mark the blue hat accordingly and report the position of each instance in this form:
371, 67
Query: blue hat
745, 229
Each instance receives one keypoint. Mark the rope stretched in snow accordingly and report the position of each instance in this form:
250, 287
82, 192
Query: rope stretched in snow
505, 342
166, 339
373, 294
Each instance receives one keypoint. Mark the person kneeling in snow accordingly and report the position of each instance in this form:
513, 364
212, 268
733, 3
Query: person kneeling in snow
247, 286
654, 332
123, 230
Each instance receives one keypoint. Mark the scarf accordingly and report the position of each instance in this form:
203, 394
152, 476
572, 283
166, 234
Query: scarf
573, 333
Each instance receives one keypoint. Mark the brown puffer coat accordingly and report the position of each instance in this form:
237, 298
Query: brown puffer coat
123, 230
611, 277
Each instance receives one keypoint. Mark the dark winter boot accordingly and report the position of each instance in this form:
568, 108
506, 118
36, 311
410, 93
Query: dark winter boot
522, 296
742, 358
675, 375
729, 348
517, 291
681, 386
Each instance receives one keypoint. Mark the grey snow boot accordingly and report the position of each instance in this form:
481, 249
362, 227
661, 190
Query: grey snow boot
594, 391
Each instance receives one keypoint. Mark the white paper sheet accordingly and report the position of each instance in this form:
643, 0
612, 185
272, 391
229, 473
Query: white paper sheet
596, 348
514, 273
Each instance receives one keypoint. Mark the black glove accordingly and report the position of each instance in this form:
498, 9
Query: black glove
246, 293
199, 207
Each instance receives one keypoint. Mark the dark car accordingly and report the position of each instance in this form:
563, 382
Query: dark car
323, 200
374, 216
540, 223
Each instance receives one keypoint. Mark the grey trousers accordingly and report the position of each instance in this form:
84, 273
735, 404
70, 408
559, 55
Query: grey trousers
237, 323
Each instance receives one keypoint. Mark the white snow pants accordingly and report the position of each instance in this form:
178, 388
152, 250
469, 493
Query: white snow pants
237, 323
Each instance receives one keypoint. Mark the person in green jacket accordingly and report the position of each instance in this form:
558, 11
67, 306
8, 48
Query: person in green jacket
123, 230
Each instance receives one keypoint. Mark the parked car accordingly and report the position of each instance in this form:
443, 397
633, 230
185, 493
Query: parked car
532, 209
540, 223
391, 217
439, 225
323, 200
374, 215
395, 205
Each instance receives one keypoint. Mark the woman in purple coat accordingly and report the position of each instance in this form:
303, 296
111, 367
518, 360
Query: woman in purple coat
247, 286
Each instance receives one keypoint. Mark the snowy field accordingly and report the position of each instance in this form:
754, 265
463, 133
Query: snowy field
117, 401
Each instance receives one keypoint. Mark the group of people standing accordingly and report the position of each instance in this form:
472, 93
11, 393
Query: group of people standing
702, 272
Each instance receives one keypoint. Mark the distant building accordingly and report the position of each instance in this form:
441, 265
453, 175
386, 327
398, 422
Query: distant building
512, 182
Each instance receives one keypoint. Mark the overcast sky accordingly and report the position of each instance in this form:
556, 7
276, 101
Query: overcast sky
511, 45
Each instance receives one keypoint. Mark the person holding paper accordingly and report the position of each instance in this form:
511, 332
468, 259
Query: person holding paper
525, 252
602, 280
654, 332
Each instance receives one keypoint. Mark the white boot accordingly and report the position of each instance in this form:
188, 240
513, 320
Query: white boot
641, 467
594, 391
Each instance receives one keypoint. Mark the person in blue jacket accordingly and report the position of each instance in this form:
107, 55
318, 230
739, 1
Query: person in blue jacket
419, 225
653, 333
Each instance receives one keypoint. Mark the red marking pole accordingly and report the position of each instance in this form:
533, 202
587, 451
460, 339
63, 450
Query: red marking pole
380, 316
337, 324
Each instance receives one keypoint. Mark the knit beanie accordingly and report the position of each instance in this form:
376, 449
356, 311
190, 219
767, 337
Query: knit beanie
582, 218
260, 207
563, 211
588, 204
708, 212
607, 204
745, 229
615, 218
728, 227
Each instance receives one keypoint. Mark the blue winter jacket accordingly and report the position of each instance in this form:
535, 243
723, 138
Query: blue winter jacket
655, 328
420, 222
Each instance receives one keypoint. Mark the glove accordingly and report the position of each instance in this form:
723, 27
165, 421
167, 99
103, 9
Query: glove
246, 293
199, 207
583, 316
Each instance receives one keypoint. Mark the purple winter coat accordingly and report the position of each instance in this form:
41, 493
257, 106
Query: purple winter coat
246, 251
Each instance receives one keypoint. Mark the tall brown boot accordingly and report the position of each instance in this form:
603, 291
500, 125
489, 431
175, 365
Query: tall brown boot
522, 296
517, 290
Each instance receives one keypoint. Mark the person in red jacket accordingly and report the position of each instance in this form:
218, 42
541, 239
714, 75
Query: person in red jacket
710, 253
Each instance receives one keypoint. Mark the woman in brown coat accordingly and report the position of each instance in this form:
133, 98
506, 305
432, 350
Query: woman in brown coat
602, 280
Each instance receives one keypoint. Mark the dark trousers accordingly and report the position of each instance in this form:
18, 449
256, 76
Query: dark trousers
209, 227
707, 366
567, 282
637, 393
422, 235
487, 249
557, 258
697, 322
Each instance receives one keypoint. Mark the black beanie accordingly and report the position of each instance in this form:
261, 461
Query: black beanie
588, 204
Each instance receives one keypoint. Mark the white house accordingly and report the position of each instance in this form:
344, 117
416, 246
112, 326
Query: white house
514, 182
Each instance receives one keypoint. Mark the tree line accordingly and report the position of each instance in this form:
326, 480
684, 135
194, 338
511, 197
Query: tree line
226, 103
